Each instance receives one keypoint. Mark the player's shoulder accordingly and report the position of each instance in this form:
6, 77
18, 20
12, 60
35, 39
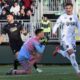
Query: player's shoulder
63, 15
19, 23
75, 16
16, 22
6, 25
61, 18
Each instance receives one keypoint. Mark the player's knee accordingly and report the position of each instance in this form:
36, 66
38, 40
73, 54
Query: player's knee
70, 51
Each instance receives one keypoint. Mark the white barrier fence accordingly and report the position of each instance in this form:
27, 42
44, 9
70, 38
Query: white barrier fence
53, 6
30, 27
50, 7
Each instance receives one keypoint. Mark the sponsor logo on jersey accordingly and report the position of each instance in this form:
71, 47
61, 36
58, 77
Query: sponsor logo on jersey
13, 29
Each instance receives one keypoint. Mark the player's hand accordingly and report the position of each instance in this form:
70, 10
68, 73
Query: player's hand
54, 34
44, 41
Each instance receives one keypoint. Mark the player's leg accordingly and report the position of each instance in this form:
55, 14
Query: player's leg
70, 48
38, 57
60, 51
72, 57
26, 68
16, 48
26, 62
73, 60
36, 67
16, 63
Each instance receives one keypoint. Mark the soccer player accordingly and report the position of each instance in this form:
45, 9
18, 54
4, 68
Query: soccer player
13, 29
30, 53
68, 21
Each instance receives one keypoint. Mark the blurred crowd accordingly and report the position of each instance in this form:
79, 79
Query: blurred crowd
21, 9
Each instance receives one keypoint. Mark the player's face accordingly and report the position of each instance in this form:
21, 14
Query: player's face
9, 18
69, 9
41, 35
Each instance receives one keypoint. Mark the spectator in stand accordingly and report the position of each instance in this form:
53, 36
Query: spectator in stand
0, 7
24, 14
3, 14
28, 13
21, 14
28, 5
1, 3
20, 2
9, 2
23, 7
6, 7
15, 8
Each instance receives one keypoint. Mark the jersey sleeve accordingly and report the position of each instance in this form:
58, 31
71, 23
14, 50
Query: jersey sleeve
57, 24
39, 48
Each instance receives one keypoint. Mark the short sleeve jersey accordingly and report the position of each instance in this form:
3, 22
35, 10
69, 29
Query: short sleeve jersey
13, 31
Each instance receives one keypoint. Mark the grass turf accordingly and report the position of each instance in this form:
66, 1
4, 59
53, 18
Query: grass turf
49, 73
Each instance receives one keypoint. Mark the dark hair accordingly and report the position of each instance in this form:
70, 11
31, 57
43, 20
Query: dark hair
68, 4
10, 14
37, 31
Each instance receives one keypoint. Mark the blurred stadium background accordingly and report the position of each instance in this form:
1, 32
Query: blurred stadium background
31, 21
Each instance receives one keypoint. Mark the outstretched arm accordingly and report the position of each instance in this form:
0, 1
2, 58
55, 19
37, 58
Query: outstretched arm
56, 26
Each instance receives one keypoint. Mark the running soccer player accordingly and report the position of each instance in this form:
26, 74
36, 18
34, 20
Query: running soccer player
14, 29
30, 53
68, 21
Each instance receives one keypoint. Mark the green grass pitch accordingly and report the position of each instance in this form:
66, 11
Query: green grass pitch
50, 72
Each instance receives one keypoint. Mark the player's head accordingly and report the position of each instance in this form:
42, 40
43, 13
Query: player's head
69, 8
10, 17
39, 33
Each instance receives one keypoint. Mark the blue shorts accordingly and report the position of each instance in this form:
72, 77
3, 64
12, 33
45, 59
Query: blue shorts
23, 54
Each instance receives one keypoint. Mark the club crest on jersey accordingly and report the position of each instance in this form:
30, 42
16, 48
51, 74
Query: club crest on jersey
70, 18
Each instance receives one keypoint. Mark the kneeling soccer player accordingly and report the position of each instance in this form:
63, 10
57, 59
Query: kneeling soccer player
30, 53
